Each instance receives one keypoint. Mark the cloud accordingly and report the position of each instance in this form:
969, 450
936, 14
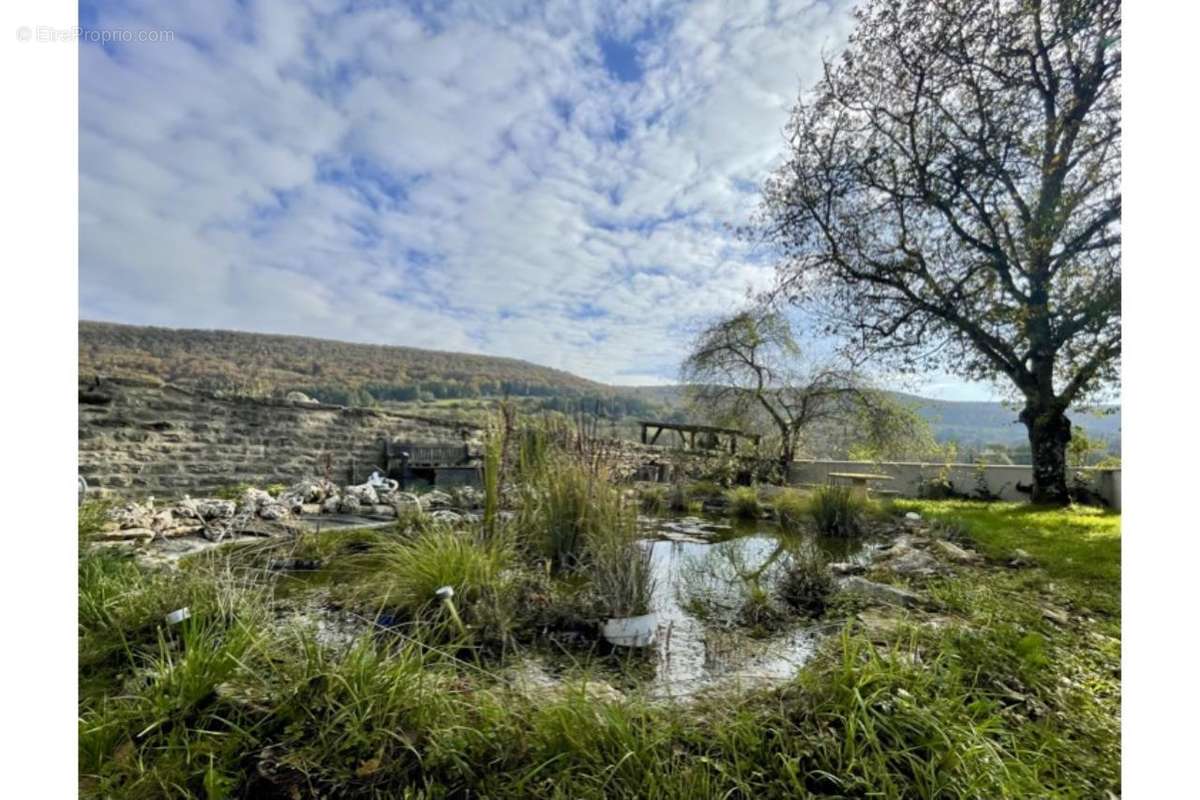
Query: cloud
550, 182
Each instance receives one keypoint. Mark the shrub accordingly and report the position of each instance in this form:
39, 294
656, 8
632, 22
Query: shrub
743, 502
791, 509
837, 511
807, 583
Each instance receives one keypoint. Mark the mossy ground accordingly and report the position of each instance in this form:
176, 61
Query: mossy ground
1017, 695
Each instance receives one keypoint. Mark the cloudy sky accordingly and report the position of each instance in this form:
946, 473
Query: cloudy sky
550, 181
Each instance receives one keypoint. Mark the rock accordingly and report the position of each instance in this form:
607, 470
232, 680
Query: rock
133, 515
1019, 558
911, 562
955, 553
382, 510
1057, 616
878, 625
446, 516
349, 504
311, 490
211, 509
162, 520
310, 508
912, 515
847, 568
127, 534
435, 500
274, 511
405, 501
300, 398
331, 505
253, 500
364, 492
468, 497
880, 592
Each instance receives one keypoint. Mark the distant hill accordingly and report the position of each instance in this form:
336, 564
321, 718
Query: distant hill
334, 372
361, 374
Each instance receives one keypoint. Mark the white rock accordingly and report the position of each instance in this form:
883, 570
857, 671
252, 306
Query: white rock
912, 515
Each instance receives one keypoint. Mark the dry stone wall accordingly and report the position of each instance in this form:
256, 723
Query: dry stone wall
139, 438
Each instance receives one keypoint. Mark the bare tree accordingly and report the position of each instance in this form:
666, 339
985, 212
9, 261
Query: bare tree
952, 198
750, 365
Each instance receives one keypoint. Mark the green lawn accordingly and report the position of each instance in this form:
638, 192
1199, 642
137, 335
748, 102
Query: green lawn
1080, 546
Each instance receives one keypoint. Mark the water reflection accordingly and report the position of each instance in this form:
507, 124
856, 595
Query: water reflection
700, 589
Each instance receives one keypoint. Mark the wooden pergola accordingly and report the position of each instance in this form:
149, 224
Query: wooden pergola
714, 438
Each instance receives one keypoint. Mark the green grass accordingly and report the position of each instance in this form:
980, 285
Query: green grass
837, 511
791, 509
997, 702
743, 502
1079, 544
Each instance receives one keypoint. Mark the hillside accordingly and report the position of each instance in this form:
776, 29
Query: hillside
331, 371
453, 384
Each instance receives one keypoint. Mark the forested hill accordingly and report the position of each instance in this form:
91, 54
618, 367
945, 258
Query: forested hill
334, 372
363, 374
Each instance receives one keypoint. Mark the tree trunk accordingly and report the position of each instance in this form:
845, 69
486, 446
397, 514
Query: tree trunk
1049, 432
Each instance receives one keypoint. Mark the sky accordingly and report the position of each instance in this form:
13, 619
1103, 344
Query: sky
557, 182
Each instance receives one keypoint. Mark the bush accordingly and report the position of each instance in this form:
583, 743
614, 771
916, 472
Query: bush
791, 509
837, 511
807, 583
743, 502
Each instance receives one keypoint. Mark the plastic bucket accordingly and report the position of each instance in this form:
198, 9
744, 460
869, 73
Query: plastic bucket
631, 631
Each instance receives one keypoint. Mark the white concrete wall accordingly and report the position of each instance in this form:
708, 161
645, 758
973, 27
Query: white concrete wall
1001, 479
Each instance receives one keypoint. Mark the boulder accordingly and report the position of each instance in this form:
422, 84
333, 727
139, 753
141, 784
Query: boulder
953, 552
310, 508
133, 515
253, 500
364, 493
404, 501
349, 504
840, 568
311, 490
879, 592
210, 509
431, 501
446, 516
331, 505
911, 562
274, 511
383, 510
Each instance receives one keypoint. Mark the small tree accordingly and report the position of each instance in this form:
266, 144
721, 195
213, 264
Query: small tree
952, 197
749, 366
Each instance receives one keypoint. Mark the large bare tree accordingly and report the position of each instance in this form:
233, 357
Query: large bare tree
748, 366
952, 199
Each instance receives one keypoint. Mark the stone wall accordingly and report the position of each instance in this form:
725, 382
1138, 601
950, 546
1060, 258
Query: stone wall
140, 438
1000, 479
